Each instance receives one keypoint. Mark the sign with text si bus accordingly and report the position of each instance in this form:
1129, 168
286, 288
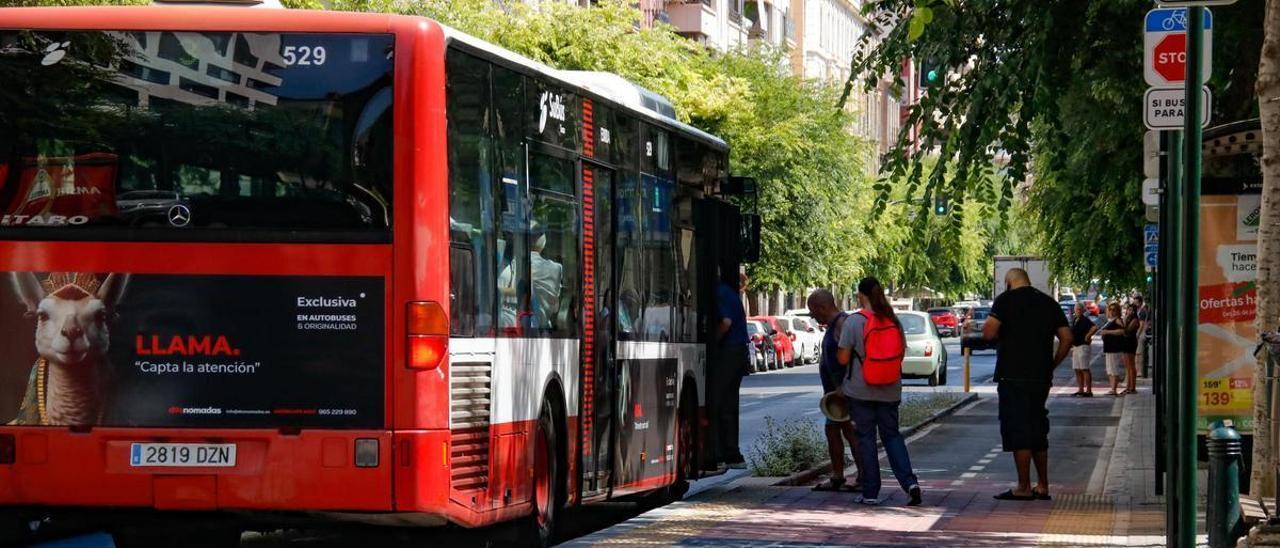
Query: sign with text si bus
1164, 57
1164, 108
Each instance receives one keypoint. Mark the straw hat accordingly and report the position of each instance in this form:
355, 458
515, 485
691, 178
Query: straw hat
834, 406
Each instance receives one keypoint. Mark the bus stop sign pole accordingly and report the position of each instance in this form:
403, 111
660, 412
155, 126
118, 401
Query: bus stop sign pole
1189, 287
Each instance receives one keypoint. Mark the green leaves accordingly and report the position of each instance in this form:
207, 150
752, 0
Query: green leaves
1047, 92
920, 18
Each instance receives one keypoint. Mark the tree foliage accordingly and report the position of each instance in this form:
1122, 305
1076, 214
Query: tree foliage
1054, 87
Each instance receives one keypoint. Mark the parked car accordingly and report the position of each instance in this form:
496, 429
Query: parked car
782, 339
926, 357
763, 354
805, 334
971, 332
946, 321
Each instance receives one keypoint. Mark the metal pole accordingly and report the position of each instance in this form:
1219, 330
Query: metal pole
1159, 316
1190, 264
1172, 321
966, 353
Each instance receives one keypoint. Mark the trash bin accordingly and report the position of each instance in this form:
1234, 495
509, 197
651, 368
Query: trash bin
1225, 522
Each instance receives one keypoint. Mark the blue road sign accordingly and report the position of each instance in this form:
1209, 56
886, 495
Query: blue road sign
1152, 248
1173, 20
1152, 234
1151, 259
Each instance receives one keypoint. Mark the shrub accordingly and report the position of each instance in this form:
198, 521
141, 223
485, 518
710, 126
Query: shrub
787, 447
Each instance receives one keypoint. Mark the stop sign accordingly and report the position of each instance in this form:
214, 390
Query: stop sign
1170, 57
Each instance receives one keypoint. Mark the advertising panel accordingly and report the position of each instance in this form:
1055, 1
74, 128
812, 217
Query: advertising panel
161, 350
1228, 300
648, 413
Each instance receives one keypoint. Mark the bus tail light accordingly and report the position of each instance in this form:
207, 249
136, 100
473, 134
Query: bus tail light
428, 333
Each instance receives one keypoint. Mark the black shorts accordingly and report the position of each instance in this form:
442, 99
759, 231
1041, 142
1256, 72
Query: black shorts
1024, 419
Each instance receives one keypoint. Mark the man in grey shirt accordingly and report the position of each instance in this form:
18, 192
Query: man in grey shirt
874, 407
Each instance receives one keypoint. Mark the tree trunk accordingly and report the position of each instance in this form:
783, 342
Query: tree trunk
1262, 480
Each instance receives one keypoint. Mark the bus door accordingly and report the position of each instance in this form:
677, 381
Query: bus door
718, 225
600, 371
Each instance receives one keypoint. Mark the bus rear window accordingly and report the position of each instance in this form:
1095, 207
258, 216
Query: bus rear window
220, 136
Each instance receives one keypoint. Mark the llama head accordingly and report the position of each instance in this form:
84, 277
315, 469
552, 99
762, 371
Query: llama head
72, 313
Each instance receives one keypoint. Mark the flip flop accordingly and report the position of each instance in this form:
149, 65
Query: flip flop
1009, 495
1040, 495
832, 484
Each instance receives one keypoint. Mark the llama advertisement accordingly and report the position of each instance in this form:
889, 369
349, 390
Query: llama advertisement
147, 350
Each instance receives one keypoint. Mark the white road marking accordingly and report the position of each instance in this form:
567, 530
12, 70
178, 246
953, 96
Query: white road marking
976, 468
968, 475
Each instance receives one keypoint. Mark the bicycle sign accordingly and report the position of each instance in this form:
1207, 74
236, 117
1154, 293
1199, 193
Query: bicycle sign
1165, 46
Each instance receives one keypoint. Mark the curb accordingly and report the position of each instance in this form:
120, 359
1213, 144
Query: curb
806, 476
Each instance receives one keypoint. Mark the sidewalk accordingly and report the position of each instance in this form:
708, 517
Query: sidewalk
1102, 461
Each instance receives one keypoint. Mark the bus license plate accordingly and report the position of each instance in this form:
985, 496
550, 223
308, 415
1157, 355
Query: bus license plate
183, 454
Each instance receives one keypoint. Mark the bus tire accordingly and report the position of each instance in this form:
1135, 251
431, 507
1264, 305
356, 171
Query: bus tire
548, 476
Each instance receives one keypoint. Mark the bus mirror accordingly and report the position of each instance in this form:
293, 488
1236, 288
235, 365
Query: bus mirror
751, 238
738, 186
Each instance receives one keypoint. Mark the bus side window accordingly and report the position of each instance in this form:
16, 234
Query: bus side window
554, 261
462, 292
471, 201
511, 193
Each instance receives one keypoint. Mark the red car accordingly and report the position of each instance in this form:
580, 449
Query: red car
785, 343
946, 321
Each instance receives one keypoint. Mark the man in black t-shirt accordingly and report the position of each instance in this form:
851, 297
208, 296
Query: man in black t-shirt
1024, 322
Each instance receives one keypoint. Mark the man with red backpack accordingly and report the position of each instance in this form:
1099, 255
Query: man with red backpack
872, 346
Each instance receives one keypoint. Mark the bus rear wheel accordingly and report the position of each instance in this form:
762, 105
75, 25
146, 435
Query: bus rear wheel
547, 486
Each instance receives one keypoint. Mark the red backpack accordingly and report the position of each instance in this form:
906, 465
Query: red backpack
885, 348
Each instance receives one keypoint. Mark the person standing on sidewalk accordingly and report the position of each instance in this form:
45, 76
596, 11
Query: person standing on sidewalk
1144, 319
1132, 325
1113, 346
822, 307
1082, 330
875, 406
1023, 322
729, 367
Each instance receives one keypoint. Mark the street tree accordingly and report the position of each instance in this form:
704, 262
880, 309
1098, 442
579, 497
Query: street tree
1049, 91
1262, 479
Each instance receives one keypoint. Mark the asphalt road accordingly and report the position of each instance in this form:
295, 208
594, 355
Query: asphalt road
795, 392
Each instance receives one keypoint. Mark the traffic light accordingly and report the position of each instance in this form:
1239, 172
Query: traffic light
930, 73
940, 206
1148, 278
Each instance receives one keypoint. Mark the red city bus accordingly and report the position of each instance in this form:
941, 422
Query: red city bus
334, 266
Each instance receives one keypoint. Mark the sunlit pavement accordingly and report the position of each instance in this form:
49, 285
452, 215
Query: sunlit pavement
1101, 456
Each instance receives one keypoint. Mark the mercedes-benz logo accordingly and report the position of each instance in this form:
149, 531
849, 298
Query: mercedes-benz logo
179, 215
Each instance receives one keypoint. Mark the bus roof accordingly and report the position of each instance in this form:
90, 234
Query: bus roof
606, 85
